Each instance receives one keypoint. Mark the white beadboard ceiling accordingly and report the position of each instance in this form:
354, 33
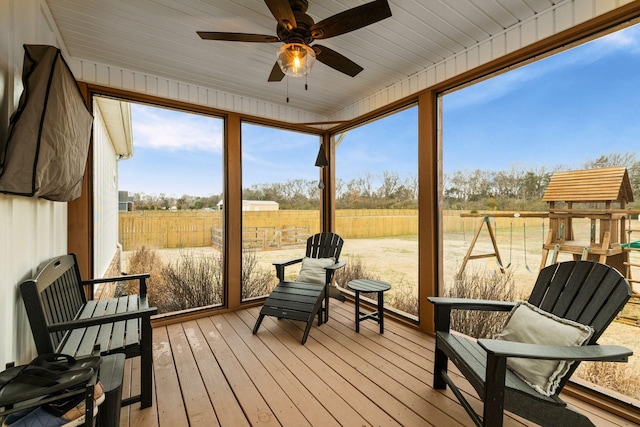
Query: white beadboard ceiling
158, 37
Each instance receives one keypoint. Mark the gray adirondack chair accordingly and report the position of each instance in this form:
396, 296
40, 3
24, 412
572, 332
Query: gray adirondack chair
302, 301
583, 291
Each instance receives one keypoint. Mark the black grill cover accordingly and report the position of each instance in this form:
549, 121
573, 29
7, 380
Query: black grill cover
46, 152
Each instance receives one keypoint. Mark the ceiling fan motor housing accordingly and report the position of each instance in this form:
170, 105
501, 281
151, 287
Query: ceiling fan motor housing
302, 32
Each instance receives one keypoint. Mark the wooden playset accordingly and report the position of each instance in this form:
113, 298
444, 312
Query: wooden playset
599, 195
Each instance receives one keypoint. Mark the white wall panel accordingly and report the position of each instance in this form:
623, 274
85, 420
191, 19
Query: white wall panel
33, 230
603, 6
140, 83
565, 17
105, 196
513, 39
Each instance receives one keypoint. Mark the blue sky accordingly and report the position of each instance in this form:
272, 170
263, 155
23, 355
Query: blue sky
565, 109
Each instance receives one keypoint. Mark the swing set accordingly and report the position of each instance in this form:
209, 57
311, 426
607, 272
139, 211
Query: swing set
599, 196
491, 229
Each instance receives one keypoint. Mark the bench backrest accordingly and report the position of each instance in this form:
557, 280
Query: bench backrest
53, 295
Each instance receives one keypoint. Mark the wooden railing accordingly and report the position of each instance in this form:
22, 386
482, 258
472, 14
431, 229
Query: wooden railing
265, 238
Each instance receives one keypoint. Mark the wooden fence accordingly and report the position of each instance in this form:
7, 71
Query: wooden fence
174, 229
167, 229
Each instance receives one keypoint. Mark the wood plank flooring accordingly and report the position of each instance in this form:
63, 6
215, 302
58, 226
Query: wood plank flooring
214, 372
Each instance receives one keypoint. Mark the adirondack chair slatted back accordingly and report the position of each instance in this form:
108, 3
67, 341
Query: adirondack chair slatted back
586, 292
324, 245
58, 291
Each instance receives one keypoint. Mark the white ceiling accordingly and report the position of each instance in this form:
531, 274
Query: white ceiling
159, 37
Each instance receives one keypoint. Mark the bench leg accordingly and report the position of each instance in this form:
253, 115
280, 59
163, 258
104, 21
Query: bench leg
440, 364
146, 360
494, 391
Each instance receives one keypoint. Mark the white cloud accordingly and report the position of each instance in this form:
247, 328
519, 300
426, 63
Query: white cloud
627, 39
497, 87
172, 130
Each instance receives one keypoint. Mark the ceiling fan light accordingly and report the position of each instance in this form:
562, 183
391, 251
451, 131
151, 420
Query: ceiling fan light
296, 59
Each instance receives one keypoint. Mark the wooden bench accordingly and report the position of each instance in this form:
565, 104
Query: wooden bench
63, 321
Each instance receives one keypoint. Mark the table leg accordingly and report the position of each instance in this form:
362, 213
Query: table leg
357, 311
381, 311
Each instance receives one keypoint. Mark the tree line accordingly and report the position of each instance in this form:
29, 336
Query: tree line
515, 188
521, 189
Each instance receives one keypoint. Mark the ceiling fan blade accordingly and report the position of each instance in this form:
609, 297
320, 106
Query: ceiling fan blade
276, 73
351, 19
281, 10
237, 37
336, 60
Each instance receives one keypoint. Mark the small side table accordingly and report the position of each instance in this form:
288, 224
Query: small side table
368, 285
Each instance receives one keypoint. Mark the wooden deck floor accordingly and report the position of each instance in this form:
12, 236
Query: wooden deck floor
214, 372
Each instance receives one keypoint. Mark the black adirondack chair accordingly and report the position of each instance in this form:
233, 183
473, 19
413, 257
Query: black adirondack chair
301, 300
583, 291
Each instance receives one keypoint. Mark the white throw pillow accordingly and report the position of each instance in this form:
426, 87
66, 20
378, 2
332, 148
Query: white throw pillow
313, 271
529, 324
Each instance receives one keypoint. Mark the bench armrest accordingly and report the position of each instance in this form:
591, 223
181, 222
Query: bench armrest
610, 353
472, 304
101, 320
142, 278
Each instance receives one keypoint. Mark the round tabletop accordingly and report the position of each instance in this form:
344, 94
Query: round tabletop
368, 285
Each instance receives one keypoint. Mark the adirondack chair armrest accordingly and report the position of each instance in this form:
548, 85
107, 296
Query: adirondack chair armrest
288, 262
592, 353
142, 278
101, 320
331, 270
443, 307
280, 265
336, 266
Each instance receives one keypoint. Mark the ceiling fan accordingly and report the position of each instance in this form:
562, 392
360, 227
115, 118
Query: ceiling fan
298, 30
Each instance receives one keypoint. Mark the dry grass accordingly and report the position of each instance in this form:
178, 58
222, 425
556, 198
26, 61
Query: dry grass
147, 261
405, 298
193, 282
192, 279
619, 377
354, 269
481, 285
256, 282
